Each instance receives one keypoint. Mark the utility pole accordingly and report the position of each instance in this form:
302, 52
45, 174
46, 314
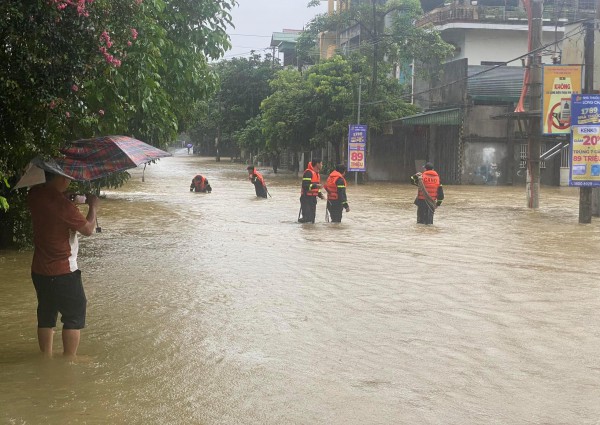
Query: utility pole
358, 121
359, 100
375, 49
535, 96
585, 193
595, 196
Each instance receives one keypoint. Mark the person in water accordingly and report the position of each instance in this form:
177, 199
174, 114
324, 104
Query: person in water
336, 193
257, 179
57, 280
200, 184
310, 190
430, 193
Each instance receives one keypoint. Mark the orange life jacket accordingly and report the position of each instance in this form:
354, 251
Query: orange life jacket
199, 183
431, 181
258, 176
315, 179
331, 186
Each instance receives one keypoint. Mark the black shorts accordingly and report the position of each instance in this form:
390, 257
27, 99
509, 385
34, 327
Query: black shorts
60, 294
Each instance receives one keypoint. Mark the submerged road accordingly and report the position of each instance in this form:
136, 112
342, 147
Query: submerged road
222, 309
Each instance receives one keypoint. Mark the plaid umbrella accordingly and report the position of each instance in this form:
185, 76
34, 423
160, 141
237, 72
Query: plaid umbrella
91, 159
34, 173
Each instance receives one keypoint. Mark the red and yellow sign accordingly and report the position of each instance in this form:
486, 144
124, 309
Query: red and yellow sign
560, 82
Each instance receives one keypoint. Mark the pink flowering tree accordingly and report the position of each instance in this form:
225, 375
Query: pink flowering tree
79, 68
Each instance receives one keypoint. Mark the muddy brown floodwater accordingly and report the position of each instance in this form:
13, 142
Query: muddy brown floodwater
222, 309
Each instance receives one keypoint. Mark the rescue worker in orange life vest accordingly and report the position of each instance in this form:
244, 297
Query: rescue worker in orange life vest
311, 185
336, 193
200, 184
258, 181
430, 194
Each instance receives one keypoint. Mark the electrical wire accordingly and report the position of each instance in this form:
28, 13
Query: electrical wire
408, 95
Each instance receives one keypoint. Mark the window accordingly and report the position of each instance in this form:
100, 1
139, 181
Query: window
565, 158
523, 155
543, 148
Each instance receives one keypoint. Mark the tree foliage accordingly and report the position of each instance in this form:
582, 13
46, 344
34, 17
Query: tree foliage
75, 69
127, 66
310, 109
388, 35
243, 84
288, 114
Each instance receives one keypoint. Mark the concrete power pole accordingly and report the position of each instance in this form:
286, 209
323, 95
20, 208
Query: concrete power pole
535, 96
585, 193
595, 197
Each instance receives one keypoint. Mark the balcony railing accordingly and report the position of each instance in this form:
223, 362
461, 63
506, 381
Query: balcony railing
504, 14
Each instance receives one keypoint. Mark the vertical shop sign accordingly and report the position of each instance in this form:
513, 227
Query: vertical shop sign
357, 148
585, 141
560, 83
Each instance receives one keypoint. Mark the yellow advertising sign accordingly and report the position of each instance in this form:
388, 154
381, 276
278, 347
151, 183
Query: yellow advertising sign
560, 82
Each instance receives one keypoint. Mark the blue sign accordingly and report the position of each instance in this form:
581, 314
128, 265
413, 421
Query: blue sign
585, 109
357, 148
585, 141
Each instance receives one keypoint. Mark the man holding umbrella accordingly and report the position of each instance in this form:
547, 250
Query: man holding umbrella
56, 277
56, 222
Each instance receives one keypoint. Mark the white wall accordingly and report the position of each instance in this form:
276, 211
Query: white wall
573, 49
492, 42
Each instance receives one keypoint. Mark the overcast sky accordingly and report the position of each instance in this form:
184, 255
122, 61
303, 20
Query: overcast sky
256, 20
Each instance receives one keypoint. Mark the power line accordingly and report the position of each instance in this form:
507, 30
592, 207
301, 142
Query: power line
408, 95
370, 43
246, 53
251, 35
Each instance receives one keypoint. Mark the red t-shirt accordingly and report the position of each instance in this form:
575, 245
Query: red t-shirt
55, 221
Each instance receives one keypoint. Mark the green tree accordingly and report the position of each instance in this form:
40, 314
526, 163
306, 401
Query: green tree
388, 36
289, 114
78, 69
308, 110
334, 90
243, 85
252, 137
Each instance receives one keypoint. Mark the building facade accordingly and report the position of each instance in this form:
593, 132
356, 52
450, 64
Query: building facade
468, 128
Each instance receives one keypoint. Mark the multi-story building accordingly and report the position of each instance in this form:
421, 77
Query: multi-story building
285, 43
468, 128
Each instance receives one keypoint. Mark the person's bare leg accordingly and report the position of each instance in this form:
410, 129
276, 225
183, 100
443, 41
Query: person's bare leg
45, 338
70, 338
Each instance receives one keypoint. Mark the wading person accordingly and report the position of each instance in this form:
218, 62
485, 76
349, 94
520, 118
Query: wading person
311, 185
200, 184
430, 194
336, 193
56, 278
258, 181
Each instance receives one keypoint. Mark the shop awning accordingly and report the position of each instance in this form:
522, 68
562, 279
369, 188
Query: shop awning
442, 117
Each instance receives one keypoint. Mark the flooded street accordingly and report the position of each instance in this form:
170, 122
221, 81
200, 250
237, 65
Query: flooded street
221, 309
